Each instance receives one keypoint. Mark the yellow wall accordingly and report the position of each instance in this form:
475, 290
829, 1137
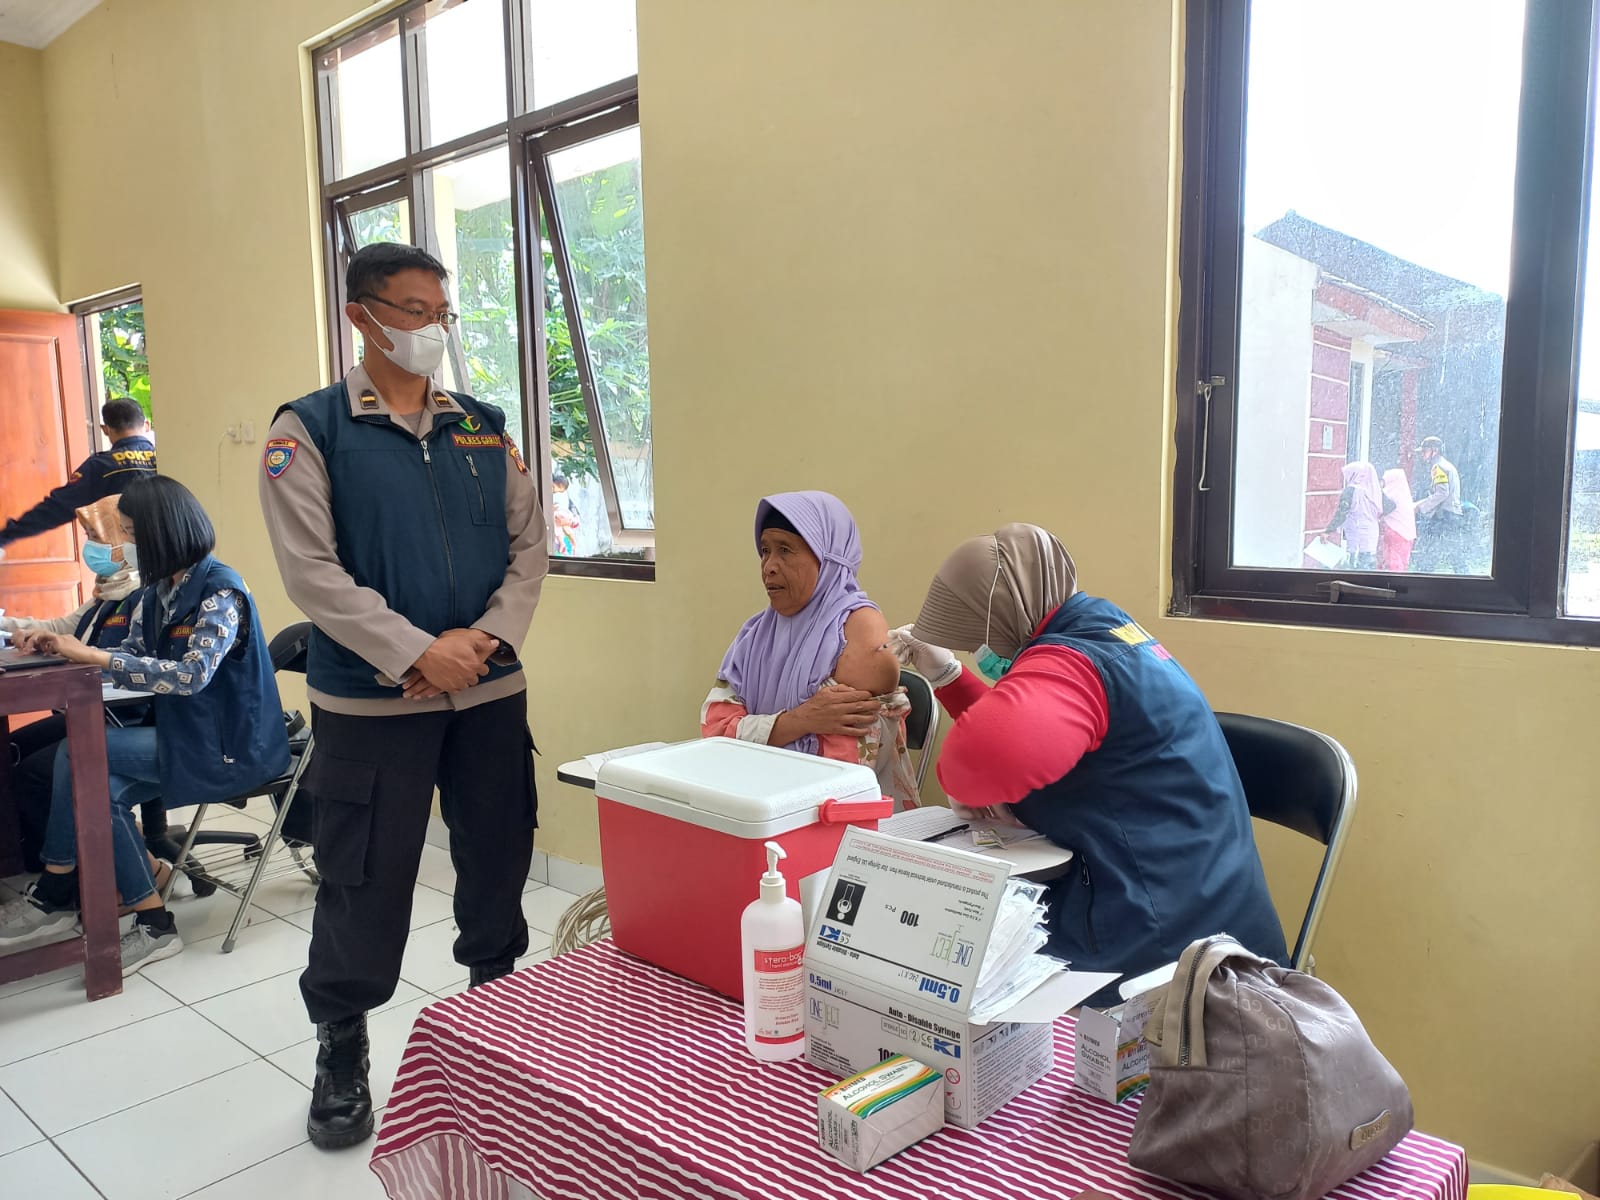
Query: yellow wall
916, 252
27, 224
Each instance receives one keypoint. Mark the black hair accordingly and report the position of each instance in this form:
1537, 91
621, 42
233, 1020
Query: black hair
122, 413
776, 520
170, 530
371, 267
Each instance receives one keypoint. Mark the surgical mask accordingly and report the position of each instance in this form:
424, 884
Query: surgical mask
416, 351
990, 665
97, 557
130, 556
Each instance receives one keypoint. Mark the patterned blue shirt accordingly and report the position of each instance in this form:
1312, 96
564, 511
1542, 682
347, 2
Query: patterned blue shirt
216, 627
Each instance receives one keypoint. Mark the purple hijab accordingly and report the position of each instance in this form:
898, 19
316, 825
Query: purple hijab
776, 663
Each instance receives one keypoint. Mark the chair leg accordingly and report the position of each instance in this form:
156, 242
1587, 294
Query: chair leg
183, 853
272, 840
310, 868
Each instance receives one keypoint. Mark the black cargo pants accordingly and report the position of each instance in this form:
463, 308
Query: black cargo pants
372, 779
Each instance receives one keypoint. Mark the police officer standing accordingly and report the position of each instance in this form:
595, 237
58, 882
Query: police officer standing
108, 473
407, 528
1440, 518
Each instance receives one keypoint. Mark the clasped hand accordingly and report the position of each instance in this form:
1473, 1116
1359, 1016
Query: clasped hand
456, 660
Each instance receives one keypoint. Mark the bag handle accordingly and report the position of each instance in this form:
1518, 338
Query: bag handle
1176, 1033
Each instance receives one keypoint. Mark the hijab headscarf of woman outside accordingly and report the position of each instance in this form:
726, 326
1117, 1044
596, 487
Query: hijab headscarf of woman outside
811, 671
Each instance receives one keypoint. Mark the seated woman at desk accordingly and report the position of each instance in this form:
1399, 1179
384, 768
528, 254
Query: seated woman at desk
812, 671
197, 644
1094, 736
102, 622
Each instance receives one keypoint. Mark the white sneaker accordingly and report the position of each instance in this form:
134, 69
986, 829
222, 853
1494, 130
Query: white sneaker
140, 947
25, 921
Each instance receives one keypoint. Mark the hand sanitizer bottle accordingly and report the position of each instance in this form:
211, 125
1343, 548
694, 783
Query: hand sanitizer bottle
772, 939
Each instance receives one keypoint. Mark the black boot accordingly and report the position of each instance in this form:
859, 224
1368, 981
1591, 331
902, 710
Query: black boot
483, 973
341, 1102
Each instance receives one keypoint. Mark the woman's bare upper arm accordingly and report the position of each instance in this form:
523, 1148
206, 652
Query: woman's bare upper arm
866, 661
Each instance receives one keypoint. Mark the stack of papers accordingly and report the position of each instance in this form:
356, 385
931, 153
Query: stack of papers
1014, 962
931, 821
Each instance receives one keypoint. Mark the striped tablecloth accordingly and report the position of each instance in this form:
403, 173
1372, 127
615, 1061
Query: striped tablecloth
597, 1076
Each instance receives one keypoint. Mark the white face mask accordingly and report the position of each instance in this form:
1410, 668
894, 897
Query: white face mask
416, 351
130, 556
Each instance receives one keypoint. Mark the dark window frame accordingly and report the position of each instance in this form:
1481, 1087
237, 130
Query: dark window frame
526, 135
1521, 600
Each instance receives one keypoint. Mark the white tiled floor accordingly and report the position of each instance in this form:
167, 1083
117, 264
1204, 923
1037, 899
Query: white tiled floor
210, 1056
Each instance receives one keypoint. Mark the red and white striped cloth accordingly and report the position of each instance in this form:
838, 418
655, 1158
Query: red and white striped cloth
595, 1076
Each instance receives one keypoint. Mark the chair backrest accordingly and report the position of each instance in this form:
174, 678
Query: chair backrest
288, 649
923, 723
1304, 781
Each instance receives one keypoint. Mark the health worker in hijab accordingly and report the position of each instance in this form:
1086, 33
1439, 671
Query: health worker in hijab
1094, 736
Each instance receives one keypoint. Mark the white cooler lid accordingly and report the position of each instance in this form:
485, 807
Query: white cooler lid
742, 788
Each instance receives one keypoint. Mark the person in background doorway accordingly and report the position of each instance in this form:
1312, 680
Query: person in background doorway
1094, 736
1361, 506
197, 645
1440, 520
106, 473
1398, 530
407, 527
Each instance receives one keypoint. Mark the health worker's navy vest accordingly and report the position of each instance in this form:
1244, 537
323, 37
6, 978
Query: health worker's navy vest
107, 625
421, 522
1155, 817
228, 737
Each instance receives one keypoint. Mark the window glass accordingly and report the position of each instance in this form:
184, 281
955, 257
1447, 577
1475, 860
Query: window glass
370, 114
1376, 249
114, 338
388, 222
472, 222
600, 205
464, 43
578, 47
1583, 528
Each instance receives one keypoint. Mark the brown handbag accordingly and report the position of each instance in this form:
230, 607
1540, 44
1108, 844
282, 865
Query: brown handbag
1263, 1084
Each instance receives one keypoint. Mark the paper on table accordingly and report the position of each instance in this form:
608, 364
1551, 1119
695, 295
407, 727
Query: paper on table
915, 824
596, 761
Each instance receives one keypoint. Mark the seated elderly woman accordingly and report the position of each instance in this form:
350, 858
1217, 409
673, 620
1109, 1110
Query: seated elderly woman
812, 671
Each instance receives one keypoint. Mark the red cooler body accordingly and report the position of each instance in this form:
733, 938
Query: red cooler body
682, 843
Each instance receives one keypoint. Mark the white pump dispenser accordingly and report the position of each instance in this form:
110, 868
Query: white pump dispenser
772, 940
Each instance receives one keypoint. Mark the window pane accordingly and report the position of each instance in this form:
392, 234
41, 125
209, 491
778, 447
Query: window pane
580, 525
121, 367
1583, 529
1379, 157
578, 47
600, 204
370, 114
472, 221
390, 222
465, 49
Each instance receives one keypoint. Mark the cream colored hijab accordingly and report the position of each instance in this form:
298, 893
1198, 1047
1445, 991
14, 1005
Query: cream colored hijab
997, 589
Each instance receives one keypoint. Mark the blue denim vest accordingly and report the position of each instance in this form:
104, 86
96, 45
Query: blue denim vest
421, 522
228, 737
1156, 817
107, 625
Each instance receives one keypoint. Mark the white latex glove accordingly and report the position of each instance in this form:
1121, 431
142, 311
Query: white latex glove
934, 663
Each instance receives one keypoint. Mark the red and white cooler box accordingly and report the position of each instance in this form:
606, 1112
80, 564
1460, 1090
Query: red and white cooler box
682, 831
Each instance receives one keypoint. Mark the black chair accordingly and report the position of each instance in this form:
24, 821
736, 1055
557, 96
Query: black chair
1302, 780
288, 653
922, 726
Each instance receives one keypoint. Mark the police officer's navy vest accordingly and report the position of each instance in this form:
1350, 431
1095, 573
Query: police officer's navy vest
228, 737
106, 625
422, 523
1156, 817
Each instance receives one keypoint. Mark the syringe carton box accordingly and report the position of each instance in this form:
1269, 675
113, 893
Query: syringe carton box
892, 963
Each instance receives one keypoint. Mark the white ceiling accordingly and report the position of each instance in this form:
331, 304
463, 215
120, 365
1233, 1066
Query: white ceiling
37, 23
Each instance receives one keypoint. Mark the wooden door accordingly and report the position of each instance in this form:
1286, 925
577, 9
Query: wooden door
44, 436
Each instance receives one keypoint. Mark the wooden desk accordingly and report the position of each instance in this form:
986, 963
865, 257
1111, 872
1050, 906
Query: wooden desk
75, 691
